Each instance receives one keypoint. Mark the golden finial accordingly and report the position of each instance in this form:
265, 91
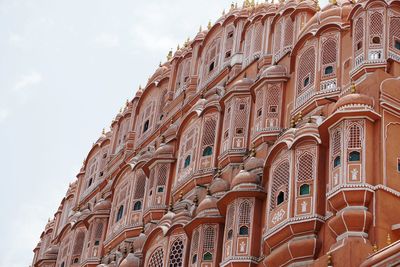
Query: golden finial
292, 123
317, 5
200, 29
232, 6
375, 248
329, 259
223, 12
236, 6
300, 117
127, 102
208, 191
169, 56
180, 196
388, 239
310, 119
177, 47
333, 2
353, 88
252, 3
252, 150
196, 200
120, 110
103, 132
162, 138
219, 172
171, 205
159, 64
209, 25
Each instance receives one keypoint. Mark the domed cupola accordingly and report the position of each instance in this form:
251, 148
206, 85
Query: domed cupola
102, 205
244, 178
208, 206
219, 186
139, 241
353, 101
164, 150
243, 82
131, 260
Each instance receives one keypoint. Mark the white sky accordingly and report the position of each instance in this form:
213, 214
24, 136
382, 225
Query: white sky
66, 67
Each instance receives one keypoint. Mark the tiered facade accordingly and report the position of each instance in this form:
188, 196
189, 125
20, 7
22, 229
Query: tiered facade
270, 139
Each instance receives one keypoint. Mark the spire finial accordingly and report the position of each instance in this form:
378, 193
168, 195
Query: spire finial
232, 6
177, 47
353, 88
388, 239
200, 29
329, 259
209, 25
223, 12
103, 132
375, 248
169, 56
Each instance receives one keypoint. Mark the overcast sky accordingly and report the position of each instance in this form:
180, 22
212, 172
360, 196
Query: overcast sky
66, 68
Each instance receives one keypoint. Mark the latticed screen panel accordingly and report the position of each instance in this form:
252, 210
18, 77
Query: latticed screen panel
140, 185
288, 38
229, 217
195, 241
157, 258
209, 239
280, 181
176, 253
247, 42
336, 142
240, 117
245, 212
278, 36
376, 24
354, 135
229, 40
209, 131
329, 51
78, 245
272, 99
99, 230
306, 70
394, 31
306, 163
162, 174
358, 34
257, 37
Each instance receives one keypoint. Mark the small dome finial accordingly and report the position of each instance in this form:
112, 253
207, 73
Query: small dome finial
103, 132
353, 88
375, 248
209, 25
329, 259
388, 239
200, 29
169, 56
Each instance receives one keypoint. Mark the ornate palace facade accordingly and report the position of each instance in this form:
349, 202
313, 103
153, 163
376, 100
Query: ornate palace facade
270, 139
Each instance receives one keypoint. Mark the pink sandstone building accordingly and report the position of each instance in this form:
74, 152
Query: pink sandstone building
270, 139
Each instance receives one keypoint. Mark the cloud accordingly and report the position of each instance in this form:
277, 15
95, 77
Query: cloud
107, 40
26, 81
16, 39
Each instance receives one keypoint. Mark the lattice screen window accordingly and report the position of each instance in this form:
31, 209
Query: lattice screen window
305, 165
240, 116
288, 37
78, 246
280, 182
244, 217
336, 147
98, 233
257, 37
209, 242
179, 76
140, 186
394, 34
208, 137
358, 36
329, 57
306, 70
278, 37
229, 222
247, 42
376, 29
195, 246
157, 258
211, 58
229, 38
176, 253
354, 136
273, 100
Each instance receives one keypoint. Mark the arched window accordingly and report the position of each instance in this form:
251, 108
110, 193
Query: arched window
90, 182
280, 198
328, 70
359, 35
187, 161
194, 259
207, 256
336, 161
230, 234
306, 70
157, 258
354, 156
176, 253
304, 190
207, 151
120, 212
137, 205
244, 230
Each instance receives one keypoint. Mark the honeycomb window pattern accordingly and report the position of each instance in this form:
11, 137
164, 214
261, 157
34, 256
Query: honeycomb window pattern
176, 253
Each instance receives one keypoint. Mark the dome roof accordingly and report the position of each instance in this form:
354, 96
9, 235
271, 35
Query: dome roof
354, 99
254, 163
209, 203
274, 71
139, 242
243, 82
244, 177
102, 205
218, 185
164, 149
130, 261
169, 216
